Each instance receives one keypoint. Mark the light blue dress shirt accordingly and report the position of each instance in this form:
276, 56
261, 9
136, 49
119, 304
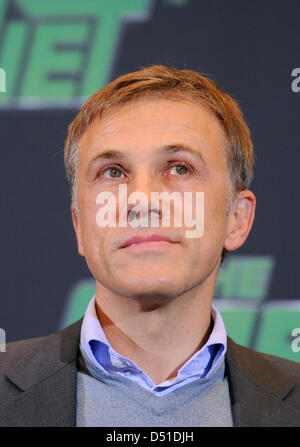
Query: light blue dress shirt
100, 353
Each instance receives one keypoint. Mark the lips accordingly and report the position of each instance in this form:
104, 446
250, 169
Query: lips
139, 240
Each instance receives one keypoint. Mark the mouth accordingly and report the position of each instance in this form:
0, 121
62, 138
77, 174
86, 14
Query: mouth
151, 242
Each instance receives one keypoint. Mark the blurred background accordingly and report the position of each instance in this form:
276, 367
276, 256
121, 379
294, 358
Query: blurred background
53, 55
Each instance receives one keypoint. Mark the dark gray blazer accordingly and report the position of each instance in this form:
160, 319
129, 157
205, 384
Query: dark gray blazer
38, 384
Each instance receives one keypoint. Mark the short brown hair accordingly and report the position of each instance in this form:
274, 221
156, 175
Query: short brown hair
160, 81
169, 83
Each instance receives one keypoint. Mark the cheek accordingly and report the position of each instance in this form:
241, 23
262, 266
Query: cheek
97, 249
215, 218
88, 209
93, 236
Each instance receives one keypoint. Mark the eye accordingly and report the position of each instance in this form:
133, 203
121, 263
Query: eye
115, 171
181, 168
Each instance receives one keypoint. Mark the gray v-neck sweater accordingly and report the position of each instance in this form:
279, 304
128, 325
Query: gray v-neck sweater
109, 400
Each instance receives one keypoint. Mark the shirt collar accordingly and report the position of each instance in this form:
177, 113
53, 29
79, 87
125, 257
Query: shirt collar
103, 356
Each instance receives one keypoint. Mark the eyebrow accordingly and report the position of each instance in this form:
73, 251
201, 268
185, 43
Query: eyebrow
113, 154
185, 148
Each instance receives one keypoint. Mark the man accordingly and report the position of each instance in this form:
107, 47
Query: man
151, 349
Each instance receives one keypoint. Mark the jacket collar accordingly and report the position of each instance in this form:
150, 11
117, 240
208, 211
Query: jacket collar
57, 351
259, 389
46, 375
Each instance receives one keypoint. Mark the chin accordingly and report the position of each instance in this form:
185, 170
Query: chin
152, 288
152, 299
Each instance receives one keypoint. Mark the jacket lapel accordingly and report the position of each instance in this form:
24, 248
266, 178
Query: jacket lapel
46, 381
51, 403
260, 392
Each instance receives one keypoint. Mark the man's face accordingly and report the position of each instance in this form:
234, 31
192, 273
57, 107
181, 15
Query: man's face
144, 134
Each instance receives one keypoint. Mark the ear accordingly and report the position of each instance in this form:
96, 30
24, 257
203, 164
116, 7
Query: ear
240, 220
77, 228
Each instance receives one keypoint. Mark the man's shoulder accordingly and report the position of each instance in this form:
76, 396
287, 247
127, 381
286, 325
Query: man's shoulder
38, 370
16, 350
264, 388
253, 373
283, 365
41, 346
254, 361
30, 361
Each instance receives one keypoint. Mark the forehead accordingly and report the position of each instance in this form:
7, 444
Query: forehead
146, 125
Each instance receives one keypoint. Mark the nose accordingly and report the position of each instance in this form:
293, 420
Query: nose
143, 181
139, 189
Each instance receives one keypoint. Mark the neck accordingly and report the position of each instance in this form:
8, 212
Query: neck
158, 336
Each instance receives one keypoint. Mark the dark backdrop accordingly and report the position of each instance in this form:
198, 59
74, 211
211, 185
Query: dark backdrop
250, 49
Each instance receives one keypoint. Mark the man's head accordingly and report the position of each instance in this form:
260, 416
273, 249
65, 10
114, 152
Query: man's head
136, 120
